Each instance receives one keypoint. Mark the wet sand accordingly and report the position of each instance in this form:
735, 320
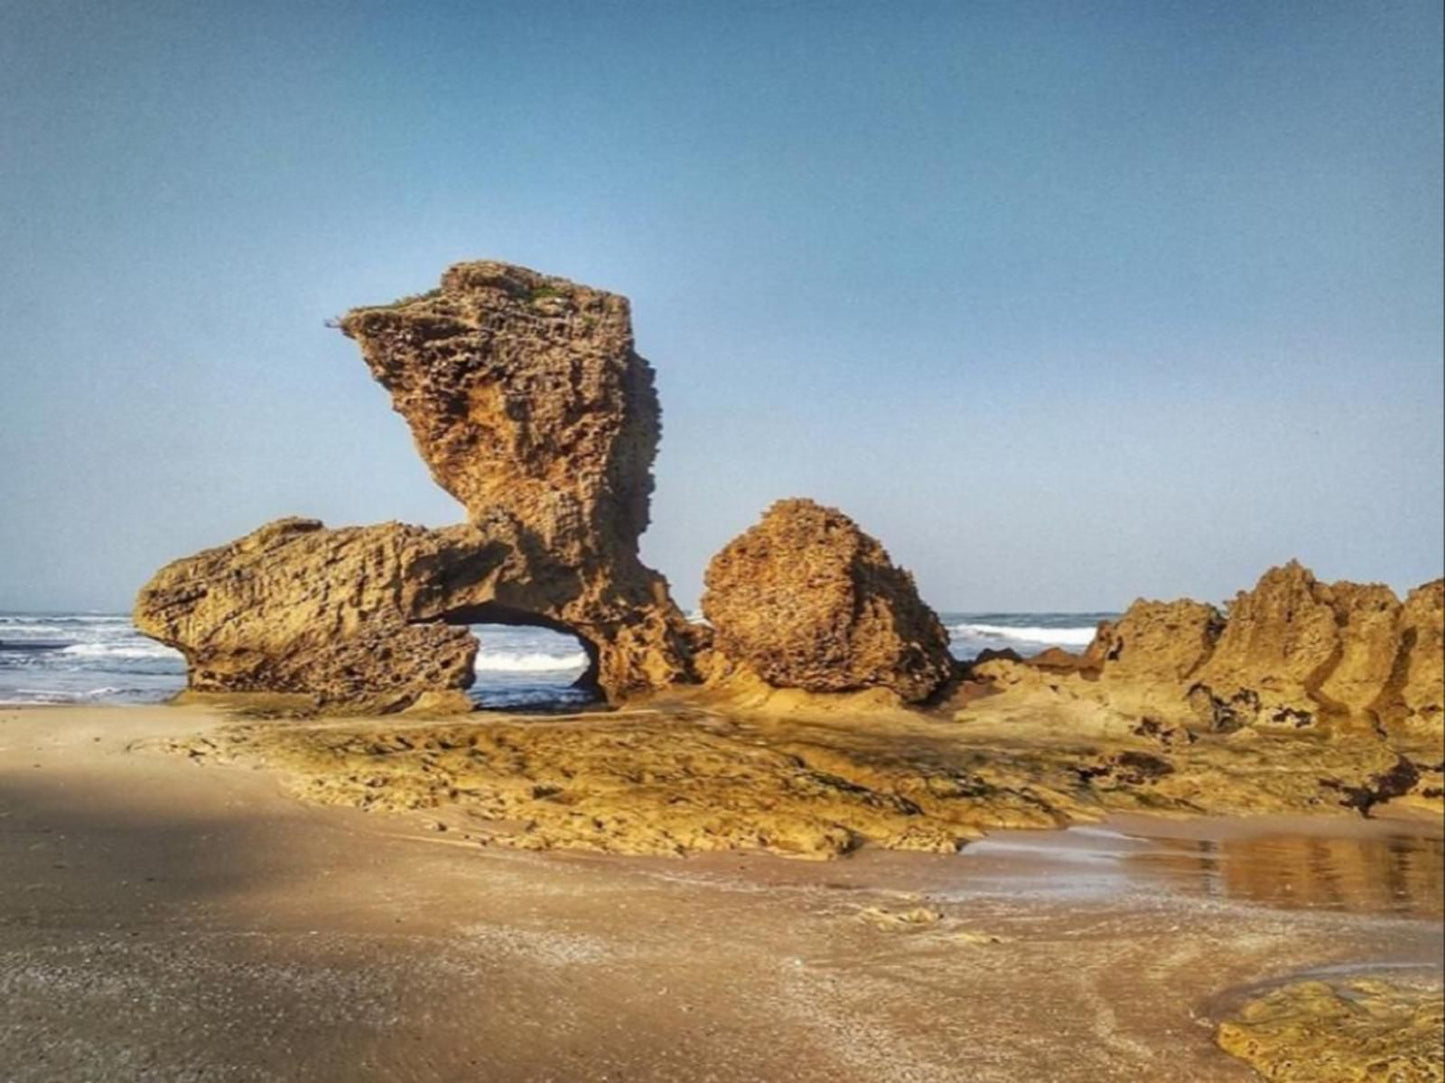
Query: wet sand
161, 920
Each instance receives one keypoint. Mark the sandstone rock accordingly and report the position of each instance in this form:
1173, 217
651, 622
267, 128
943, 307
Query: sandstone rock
1281, 635
810, 601
1414, 697
1058, 658
1294, 653
1156, 641
529, 404
1343, 1031
1367, 624
1289, 638
989, 654
525, 396
294, 608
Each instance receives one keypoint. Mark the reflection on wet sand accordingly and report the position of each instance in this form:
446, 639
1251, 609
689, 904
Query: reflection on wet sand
1401, 874
1359, 868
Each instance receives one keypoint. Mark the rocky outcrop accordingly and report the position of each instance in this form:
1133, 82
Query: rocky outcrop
1294, 653
342, 616
530, 405
1340, 1031
527, 400
1288, 637
1415, 695
1297, 653
1156, 641
808, 600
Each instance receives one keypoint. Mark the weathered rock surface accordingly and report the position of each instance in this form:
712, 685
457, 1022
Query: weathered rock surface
1157, 641
1341, 1032
1286, 639
1297, 653
686, 777
1415, 696
1294, 654
294, 608
808, 600
526, 398
530, 405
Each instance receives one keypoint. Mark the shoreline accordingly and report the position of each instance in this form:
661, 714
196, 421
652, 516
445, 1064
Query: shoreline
208, 715
162, 916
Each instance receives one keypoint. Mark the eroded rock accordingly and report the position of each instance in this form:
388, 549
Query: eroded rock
530, 405
294, 608
1341, 1032
1414, 698
1157, 641
1279, 644
526, 397
808, 600
1294, 654
1344, 666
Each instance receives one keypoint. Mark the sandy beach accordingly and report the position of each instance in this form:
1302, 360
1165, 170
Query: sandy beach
824, 542
164, 920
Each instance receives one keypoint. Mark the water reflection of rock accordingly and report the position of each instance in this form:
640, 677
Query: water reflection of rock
1402, 874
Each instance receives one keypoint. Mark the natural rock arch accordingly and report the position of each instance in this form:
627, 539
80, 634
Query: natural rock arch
494, 613
531, 406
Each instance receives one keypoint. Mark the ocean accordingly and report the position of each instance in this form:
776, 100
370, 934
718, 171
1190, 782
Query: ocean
101, 658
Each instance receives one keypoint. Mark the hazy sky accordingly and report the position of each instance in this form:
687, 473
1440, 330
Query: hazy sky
1065, 302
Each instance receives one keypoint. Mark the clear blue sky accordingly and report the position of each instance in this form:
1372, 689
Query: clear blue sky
1066, 302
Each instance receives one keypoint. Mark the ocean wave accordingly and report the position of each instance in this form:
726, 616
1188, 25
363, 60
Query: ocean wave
529, 662
59, 623
1064, 637
31, 628
120, 650
33, 696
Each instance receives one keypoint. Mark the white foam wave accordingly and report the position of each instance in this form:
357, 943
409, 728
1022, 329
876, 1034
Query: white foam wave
120, 650
528, 662
1064, 637
51, 622
34, 628
32, 696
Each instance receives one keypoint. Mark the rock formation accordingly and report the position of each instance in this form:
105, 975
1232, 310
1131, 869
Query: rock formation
530, 405
1344, 1030
1293, 653
1157, 641
298, 609
807, 600
526, 400
1296, 652
1415, 696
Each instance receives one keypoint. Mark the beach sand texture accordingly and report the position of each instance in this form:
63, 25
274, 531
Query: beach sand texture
162, 920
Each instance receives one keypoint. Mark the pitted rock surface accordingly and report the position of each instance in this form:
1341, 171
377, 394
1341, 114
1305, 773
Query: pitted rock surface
529, 405
810, 601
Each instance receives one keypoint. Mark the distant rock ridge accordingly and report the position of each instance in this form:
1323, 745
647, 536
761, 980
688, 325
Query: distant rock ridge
1293, 653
